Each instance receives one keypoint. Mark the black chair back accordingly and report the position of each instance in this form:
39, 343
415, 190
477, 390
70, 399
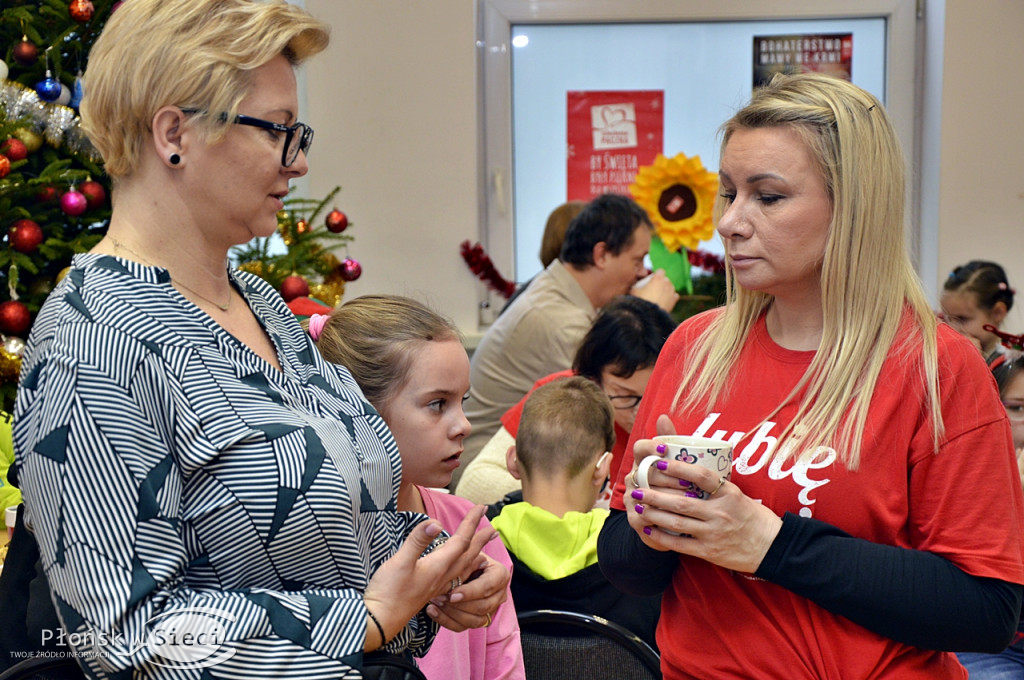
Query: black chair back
561, 645
43, 668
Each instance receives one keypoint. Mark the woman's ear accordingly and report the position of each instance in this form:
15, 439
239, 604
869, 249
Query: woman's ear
512, 463
168, 134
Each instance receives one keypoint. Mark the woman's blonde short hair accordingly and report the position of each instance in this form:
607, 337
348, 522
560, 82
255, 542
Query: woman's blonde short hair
868, 282
191, 53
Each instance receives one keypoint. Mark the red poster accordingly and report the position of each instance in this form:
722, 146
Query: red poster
829, 53
610, 135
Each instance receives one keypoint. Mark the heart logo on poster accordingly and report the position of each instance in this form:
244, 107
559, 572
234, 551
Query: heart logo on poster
612, 116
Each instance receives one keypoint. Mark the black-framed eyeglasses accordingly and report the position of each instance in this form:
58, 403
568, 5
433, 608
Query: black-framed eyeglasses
297, 137
626, 401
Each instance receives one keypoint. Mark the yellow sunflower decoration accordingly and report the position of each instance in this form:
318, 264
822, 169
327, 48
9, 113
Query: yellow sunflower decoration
678, 195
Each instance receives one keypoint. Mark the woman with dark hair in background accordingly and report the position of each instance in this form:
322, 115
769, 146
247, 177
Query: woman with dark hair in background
618, 353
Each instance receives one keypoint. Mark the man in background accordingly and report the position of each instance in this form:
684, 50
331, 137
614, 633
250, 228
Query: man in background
602, 257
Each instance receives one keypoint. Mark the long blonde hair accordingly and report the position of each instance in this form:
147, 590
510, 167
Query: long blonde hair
868, 282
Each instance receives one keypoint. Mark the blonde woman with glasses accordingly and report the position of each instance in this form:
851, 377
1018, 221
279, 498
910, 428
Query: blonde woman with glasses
192, 469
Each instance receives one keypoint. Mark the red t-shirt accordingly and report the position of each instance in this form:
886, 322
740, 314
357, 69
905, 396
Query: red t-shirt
511, 422
964, 503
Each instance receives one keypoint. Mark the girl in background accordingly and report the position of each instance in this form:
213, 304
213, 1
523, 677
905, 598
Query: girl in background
413, 369
976, 294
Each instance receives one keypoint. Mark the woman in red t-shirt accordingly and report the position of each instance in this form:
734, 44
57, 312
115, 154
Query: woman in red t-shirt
874, 513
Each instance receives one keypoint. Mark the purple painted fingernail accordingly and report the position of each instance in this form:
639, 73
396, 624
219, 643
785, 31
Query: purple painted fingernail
647, 530
637, 494
692, 494
661, 448
661, 465
685, 483
639, 509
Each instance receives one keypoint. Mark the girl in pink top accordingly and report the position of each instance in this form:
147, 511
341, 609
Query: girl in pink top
412, 367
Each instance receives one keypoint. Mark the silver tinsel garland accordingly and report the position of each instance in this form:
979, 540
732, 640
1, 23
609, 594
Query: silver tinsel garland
57, 123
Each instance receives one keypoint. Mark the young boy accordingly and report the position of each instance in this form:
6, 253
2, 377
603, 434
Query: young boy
561, 455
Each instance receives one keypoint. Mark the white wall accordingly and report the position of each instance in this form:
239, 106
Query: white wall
394, 104
981, 198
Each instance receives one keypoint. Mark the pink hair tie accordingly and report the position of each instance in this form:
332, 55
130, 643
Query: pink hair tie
316, 325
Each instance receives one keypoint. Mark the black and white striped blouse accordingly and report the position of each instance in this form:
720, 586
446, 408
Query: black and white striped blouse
176, 481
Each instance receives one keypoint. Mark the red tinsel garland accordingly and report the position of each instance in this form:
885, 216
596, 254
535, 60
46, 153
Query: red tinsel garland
480, 264
1008, 340
707, 261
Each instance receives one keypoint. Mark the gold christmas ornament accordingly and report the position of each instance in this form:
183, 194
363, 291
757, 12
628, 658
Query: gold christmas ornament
328, 292
31, 139
10, 365
13, 345
255, 267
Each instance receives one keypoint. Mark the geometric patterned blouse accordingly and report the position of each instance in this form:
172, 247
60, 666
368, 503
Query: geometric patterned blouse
200, 513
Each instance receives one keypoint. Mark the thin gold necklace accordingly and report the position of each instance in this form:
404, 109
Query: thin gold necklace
120, 246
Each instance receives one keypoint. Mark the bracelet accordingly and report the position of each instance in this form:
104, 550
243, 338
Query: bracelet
380, 629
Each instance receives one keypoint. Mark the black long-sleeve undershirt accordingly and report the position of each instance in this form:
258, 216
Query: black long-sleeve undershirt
911, 596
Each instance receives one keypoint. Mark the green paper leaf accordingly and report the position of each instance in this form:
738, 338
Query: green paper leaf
676, 265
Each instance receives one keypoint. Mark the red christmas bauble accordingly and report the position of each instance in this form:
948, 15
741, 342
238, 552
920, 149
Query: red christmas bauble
25, 236
25, 53
351, 269
81, 10
14, 149
73, 203
15, 318
294, 286
5, 166
337, 221
95, 194
46, 193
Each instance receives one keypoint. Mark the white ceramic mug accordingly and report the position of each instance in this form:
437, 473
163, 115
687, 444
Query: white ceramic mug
714, 454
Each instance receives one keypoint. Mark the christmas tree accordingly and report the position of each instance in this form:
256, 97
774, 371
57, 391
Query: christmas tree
53, 192
309, 268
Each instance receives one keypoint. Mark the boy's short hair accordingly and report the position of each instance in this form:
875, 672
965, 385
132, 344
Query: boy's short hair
564, 423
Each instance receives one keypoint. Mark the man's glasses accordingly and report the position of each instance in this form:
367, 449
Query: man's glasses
297, 137
626, 401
